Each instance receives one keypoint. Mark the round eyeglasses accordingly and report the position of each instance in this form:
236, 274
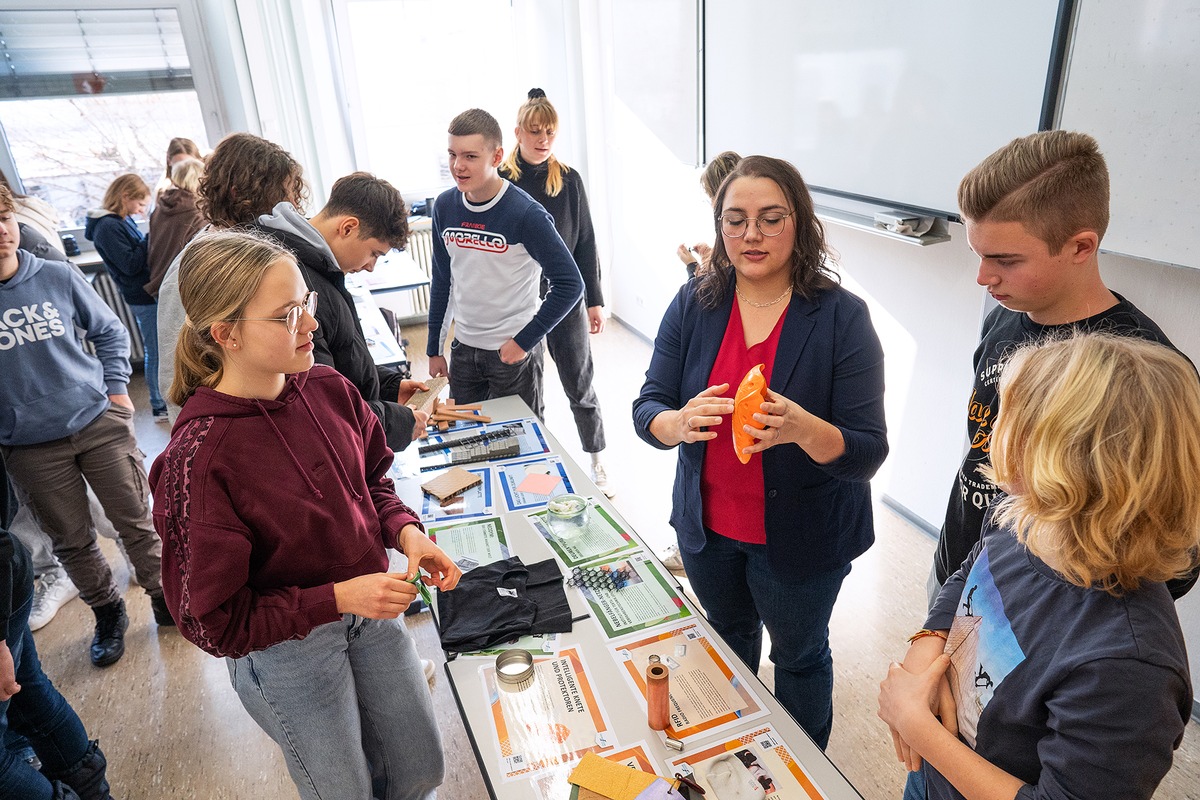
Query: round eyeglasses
308, 304
735, 225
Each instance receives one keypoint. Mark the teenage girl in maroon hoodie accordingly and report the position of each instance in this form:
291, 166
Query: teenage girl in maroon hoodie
275, 509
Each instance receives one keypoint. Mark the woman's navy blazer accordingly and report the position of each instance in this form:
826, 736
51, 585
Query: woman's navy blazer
829, 360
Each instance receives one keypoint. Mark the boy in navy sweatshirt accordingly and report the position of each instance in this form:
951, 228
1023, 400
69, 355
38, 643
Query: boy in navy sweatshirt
493, 243
66, 416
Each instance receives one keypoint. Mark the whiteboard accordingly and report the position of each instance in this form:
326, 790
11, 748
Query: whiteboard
893, 101
1132, 83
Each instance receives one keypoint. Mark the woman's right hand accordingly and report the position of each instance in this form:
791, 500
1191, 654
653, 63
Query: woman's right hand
688, 423
382, 595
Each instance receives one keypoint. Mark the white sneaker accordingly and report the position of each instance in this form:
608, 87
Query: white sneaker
54, 590
600, 478
428, 668
671, 559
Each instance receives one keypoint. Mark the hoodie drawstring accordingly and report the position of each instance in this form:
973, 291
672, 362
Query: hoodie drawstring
312, 487
345, 473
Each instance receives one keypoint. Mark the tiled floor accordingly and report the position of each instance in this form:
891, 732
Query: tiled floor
172, 727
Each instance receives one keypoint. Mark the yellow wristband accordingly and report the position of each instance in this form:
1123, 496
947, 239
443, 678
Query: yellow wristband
921, 634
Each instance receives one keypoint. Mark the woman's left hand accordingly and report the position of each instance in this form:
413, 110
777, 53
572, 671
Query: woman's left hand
595, 319
784, 422
424, 554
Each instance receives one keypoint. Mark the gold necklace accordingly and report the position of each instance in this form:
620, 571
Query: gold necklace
750, 302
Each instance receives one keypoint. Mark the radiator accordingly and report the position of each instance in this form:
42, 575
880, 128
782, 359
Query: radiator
111, 295
420, 247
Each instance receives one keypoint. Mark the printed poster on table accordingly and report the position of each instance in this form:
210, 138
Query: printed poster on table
554, 783
754, 763
530, 484
474, 502
473, 542
646, 599
485, 443
554, 721
595, 534
707, 693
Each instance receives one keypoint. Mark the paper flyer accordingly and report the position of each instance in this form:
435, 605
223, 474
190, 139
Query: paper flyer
514, 474
592, 536
553, 784
474, 502
647, 599
707, 693
483, 443
554, 721
754, 763
536, 643
472, 542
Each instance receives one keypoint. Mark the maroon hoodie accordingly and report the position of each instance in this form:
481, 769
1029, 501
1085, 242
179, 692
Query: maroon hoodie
262, 505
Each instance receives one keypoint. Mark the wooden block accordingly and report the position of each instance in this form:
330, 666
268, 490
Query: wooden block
425, 400
451, 483
443, 426
453, 406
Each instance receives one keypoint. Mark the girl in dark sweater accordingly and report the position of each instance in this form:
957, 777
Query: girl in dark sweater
532, 166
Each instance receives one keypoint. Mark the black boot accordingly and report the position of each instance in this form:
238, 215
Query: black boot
108, 645
86, 776
162, 614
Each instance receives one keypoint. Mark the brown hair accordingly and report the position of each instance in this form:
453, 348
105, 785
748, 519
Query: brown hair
811, 272
477, 121
245, 177
129, 186
186, 174
537, 110
12, 190
1097, 447
218, 277
376, 204
180, 146
7, 202
1055, 183
715, 173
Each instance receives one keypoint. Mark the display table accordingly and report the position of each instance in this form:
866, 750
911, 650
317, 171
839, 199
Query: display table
586, 693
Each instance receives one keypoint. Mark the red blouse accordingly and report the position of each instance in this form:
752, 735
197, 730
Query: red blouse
733, 492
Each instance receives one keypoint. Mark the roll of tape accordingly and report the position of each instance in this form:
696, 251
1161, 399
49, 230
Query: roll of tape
514, 670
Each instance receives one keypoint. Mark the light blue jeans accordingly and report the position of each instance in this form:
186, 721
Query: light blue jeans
147, 322
349, 707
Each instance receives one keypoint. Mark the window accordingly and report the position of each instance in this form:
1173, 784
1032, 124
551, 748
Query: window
91, 94
404, 85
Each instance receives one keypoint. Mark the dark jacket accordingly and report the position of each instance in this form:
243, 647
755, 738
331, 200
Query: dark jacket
123, 248
174, 221
339, 340
829, 360
16, 571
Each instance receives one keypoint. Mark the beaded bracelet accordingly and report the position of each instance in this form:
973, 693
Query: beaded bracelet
921, 634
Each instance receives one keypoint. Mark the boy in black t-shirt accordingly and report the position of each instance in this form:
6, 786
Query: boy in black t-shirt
1035, 211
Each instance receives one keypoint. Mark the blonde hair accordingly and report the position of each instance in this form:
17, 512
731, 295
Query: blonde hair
126, 187
717, 170
1055, 183
186, 174
537, 110
1098, 449
219, 274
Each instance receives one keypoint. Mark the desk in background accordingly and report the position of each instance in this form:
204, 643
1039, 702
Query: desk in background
608, 680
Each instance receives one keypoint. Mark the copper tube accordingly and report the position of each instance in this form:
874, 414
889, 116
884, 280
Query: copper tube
658, 695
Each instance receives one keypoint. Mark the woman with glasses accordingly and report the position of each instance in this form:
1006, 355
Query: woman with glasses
533, 166
274, 500
769, 542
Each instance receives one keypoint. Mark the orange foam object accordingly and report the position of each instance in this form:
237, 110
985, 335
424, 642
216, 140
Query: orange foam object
751, 394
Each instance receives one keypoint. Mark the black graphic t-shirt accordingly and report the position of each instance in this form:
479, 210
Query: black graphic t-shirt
1003, 332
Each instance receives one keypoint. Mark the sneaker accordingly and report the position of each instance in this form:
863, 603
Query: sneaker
108, 645
671, 559
161, 415
428, 668
600, 478
162, 614
54, 590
